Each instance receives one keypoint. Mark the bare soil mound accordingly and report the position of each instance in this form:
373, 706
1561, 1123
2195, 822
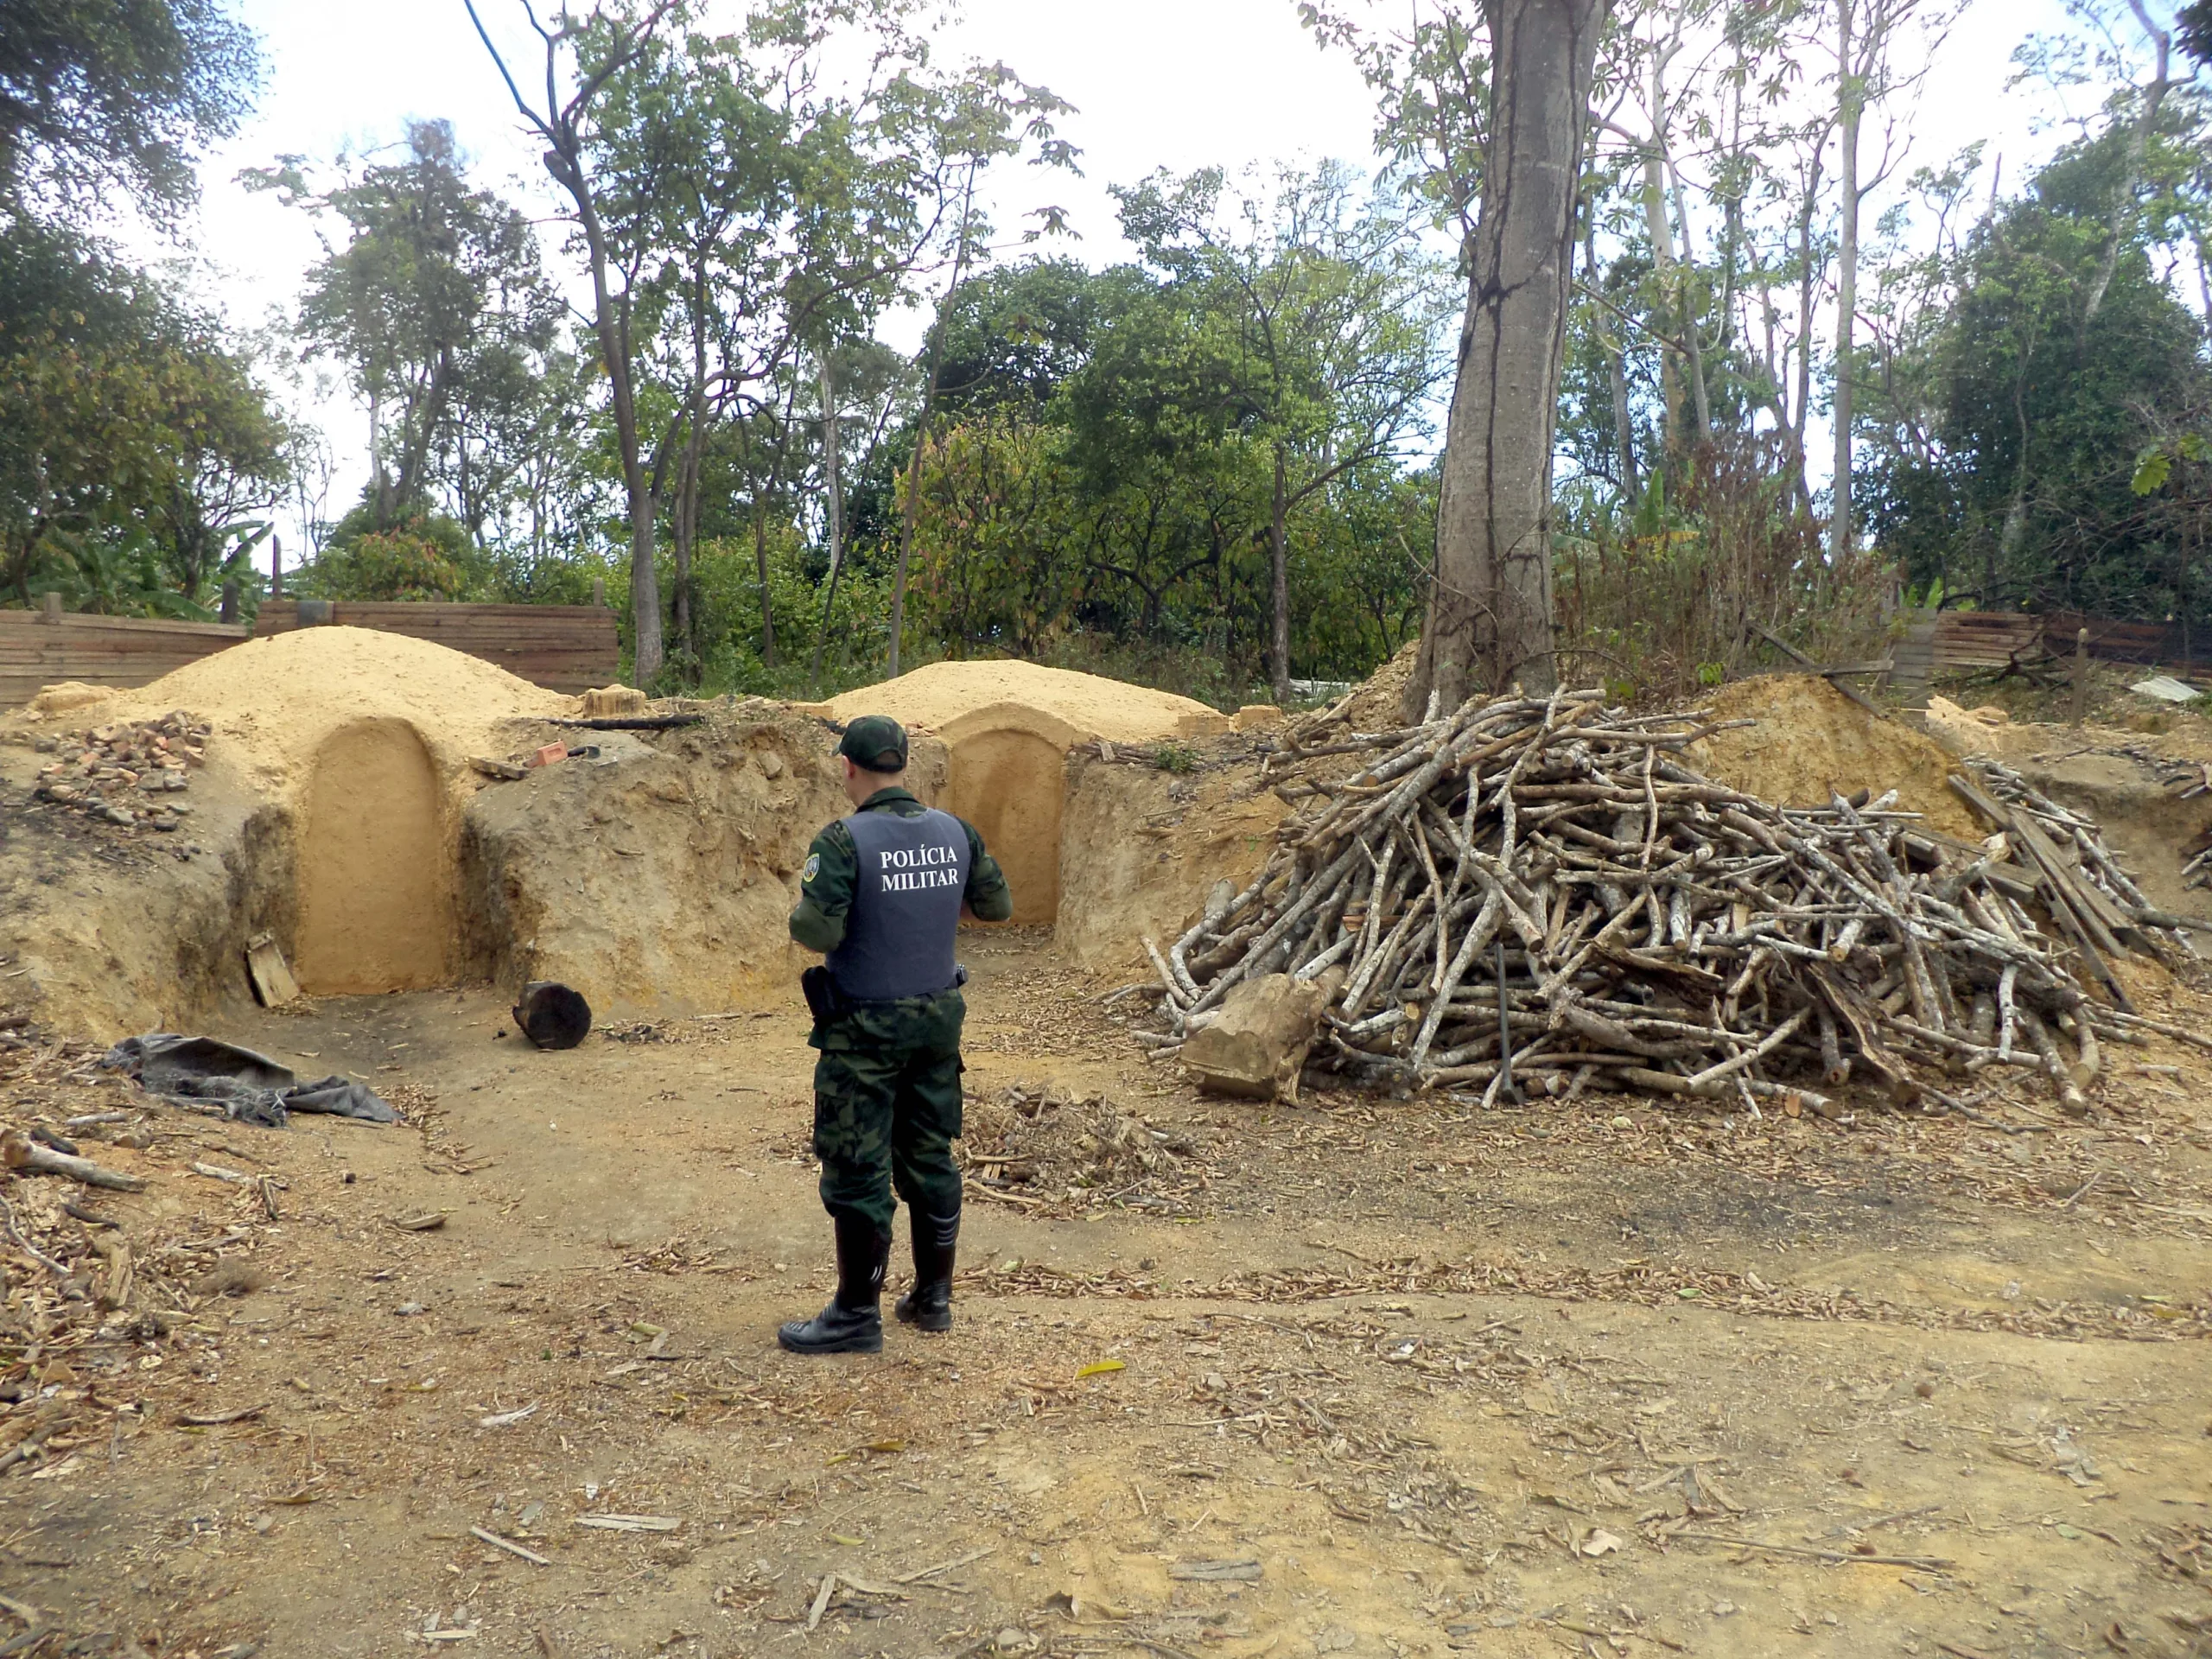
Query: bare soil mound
1143, 846
1812, 741
1376, 702
281, 698
1085, 705
328, 814
2140, 787
1009, 726
656, 876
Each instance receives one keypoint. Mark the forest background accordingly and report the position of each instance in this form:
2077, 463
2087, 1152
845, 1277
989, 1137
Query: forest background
669, 365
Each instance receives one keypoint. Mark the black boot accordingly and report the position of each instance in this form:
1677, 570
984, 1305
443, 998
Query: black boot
929, 1304
852, 1324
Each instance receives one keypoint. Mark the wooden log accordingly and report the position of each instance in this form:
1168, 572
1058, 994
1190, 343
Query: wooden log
19, 1152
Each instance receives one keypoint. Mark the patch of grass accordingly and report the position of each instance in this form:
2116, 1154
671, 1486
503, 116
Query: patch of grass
1176, 758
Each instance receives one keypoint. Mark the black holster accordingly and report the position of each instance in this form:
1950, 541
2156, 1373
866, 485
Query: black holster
823, 1000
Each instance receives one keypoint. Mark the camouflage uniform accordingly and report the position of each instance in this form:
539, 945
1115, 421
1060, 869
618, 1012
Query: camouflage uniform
886, 1089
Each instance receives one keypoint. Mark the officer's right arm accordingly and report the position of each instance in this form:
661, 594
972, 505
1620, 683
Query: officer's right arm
825, 890
988, 899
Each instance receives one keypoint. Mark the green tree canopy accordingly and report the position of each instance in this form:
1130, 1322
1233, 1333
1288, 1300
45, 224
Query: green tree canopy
104, 100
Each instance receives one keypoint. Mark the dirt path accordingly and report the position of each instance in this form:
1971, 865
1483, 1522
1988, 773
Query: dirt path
1349, 1377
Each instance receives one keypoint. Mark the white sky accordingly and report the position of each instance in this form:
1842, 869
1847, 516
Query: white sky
1180, 84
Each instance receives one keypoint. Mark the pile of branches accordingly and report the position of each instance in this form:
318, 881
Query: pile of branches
1538, 894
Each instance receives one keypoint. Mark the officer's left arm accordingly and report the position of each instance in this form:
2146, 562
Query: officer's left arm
825, 890
988, 899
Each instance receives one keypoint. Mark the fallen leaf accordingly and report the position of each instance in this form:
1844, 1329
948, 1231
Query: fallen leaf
1601, 1542
1100, 1368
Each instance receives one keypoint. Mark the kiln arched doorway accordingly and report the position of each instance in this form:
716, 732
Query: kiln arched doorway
1011, 784
375, 875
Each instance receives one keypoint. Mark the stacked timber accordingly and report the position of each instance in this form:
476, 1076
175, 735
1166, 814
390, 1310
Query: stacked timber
1539, 893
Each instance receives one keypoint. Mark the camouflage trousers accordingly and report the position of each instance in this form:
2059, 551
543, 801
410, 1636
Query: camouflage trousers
886, 1112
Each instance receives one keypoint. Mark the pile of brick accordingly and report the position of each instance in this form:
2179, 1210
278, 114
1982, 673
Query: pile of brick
127, 773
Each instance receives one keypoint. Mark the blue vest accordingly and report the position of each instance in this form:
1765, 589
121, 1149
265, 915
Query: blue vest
906, 897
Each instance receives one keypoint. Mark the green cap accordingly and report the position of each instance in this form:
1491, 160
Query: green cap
875, 743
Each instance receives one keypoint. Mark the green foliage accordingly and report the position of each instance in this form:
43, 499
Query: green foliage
107, 100
2193, 29
138, 457
424, 558
725, 604
1660, 598
1178, 758
999, 539
2156, 464
2028, 463
1128, 443
445, 326
1014, 336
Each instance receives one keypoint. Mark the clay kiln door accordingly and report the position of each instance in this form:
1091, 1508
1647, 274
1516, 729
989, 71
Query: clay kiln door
375, 875
1011, 784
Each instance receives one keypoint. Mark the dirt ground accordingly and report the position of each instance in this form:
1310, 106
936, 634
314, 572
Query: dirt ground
1352, 1377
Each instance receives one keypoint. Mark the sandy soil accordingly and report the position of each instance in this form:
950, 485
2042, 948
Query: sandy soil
939, 695
1811, 742
1353, 1377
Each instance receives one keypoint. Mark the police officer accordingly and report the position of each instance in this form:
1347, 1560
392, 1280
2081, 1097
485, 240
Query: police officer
882, 896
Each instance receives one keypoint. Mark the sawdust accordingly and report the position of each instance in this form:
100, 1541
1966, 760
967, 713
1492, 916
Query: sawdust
944, 696
1811, 740
67, 696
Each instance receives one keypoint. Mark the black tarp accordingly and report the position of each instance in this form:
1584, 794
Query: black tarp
252, 1088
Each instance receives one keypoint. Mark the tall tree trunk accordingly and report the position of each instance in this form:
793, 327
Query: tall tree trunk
687, 476
2131, 177
1631, 483
2001, 562
1850, 103
1279, 583
561, 126
684, 523
379, 504
833, 514
922, 432
1490, 605
1662, 265
909, 511
760, 572
1803, 401
1623, 426
1690, 313
611, 328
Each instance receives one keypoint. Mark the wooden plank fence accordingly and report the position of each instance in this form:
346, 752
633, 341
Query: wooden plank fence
562, 647
1961, 641
42, 647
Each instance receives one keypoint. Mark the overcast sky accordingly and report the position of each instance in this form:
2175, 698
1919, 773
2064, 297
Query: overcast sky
1179, 84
